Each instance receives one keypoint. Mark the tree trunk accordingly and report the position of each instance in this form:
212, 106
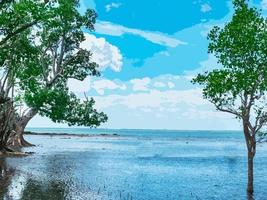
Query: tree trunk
250, 188
6, 124
16, 139
251, 149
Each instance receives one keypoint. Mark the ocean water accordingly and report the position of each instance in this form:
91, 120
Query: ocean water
137, 164
143, 133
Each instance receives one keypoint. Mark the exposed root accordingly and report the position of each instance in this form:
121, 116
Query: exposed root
18, 141
14, 154
26, 143
7, 151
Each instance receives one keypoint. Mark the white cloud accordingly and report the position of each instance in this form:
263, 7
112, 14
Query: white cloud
85, 4
159, 84
194, 113
104, 53
140, 84
108, 28
171, 85
111, 6
205, 8
171, 109
79, 86
101, 85
155, 99
162, 83
189, 77
206, 65
264, 4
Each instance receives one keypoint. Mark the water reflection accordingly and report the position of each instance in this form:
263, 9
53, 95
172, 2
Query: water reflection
50, 180
15, 185
250, 197
6, 175
37, 190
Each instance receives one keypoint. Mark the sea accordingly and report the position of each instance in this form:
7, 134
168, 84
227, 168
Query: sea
135, 164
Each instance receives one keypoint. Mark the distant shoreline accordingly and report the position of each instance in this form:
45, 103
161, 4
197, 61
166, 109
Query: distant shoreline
133, 129
72, 134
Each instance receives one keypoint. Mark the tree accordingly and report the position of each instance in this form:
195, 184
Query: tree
61, 58
240, 87
52, 56
16, 17
12, 56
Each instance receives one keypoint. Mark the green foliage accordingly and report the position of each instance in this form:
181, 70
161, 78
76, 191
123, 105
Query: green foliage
241, 47
18, 16
40, 52
64, 107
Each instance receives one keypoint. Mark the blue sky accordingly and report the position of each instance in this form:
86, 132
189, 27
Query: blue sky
148, 52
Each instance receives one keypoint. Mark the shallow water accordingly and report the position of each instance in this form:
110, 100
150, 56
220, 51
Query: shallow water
137, 165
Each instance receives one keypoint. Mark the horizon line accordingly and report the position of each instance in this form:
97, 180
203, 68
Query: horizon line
144, 129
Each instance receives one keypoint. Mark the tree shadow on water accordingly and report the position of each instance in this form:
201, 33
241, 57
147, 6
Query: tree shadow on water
44, 191
6, 175
27, 188
250, 197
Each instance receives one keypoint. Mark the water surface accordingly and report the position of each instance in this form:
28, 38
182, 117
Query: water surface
139, 164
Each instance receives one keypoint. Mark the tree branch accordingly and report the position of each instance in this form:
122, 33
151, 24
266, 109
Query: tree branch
228, 111
19, 30
62, 51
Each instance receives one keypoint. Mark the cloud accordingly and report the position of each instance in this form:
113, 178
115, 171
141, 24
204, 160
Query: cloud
171, 85
204, 114
111, 6
140, 84
170, 109
264, 4
85, 4
108, 28
77, 86
101, 85
147, 93
205, 8
104, 53
155, 99
159, 84
207, 65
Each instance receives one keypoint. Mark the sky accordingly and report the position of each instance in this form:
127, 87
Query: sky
148, 51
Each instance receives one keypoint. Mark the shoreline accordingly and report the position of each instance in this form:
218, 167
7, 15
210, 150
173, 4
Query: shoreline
72, 134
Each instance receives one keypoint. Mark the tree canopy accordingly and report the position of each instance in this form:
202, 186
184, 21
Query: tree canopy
241, 47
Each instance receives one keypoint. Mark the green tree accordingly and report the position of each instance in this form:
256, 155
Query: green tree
240, 87
58, 58
49, 54
16, 17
